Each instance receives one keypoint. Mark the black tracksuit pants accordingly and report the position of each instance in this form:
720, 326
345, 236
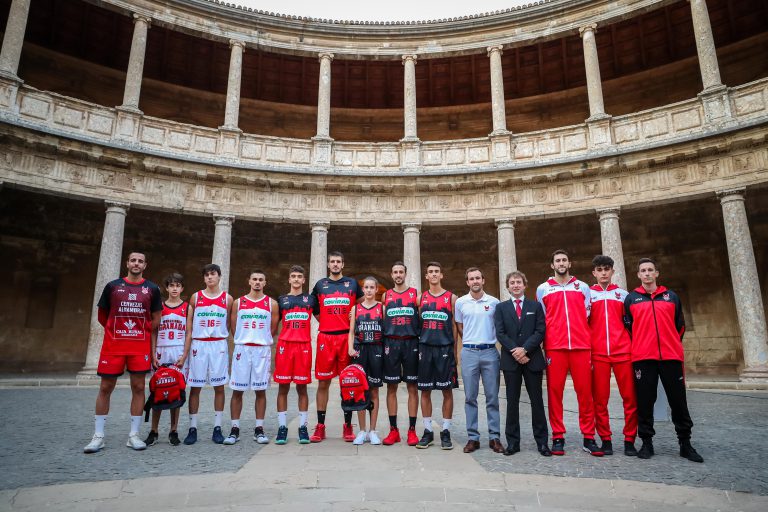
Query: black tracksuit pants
647, 374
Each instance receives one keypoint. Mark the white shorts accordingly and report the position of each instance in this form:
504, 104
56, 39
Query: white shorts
208, 362
251, 367
171, 354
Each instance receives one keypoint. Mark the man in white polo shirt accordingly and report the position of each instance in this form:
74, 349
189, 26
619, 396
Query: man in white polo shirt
479, 358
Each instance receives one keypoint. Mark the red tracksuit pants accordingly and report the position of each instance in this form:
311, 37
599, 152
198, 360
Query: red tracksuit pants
601, 392
579, 362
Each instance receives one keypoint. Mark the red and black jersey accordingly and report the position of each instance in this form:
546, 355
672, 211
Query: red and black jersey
655, 323
334, 300
401, 314
369, 323
129, 308
296, 316
436, 319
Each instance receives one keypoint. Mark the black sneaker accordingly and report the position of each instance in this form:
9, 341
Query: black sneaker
629, 449
590, 446
686, 450
173, 438
646, 451
282, 435
558, 446
426, 440
217, 436
303, 435
607, 448
151, 439
191, 436
234, 436
445, 440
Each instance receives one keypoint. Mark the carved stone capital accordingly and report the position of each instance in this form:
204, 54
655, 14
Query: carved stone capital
590, 27
120, 207
505, 223
319, 225
411, 227
608, 213
223, 219
325, 55
141, 17
497, 48
410, 57
731, 194
237, 42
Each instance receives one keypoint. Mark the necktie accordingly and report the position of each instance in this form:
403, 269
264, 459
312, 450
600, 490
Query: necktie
518, 309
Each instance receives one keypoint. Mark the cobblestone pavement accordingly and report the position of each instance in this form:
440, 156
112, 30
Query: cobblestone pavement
42, 442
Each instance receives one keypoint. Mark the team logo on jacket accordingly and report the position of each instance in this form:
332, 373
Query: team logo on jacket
487, 308
618, 295
638, 374
145, 290
237, 356
666, 296
576, 285
305, 299
346, 284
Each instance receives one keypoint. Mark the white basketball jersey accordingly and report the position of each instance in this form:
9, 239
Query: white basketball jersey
254, 321
210, 320
173, 326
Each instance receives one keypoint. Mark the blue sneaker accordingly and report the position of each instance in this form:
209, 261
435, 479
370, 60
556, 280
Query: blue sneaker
191, 436
303, 435
282, 435
218, 436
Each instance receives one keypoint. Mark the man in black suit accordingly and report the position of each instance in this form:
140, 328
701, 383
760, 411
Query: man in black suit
520, 330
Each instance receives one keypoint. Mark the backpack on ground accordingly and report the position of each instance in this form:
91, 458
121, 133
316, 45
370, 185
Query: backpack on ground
355, 392
166, 390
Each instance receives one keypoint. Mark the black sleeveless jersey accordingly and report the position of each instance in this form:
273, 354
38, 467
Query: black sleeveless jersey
436, 319
368, 323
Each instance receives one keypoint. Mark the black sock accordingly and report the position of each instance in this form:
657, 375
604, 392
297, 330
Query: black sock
348, 418
412, 421
321, 417
393, 421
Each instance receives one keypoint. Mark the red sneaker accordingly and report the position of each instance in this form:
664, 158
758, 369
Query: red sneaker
413, 439
319, 433
393, 436
347, 433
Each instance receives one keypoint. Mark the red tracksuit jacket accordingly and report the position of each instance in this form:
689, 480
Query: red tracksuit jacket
566, 309
655, 322
610, 339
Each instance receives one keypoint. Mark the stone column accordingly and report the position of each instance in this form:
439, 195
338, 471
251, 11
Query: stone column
13, 40
746, 286
136, 63
705, 45
412, 253
222, 246
109, 269
409, 98
232, 109
610, 234
324, 98
592, 66
497, 92
318, 261
505, 229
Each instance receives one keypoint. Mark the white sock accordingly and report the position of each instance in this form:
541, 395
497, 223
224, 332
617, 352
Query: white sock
282, 419
259, 423
100, 419
135, 424
428, 424
446, 424
235, 423
302, 418
193, 421
217, 415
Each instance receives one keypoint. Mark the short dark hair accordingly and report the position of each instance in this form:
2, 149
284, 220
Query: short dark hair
336, 253
297, 269
473, 269
174, 278
434, 264
257, 271
401, 264
516, 273
560, 251
647, 260
211, 267
128, 256
601, 260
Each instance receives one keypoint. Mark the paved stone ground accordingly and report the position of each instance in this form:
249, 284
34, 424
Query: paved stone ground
45, 448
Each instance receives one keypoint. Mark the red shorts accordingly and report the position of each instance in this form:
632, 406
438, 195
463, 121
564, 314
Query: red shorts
113, 365
293, 362
332, 355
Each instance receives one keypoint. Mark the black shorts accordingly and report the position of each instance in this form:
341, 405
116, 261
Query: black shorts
371, 358
437, 367
401, 360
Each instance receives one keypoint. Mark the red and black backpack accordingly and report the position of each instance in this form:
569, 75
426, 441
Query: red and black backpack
166, 389
355, 392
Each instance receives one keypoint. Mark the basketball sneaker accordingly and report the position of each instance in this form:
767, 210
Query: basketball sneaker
303, 435
191, 436
96, 444
173, 438
426, 440
282, 435
393, 436
374, 438
135, 442
319, 433
217, 436
347, 433
445, 440
361, 438
151, 439
413, 439
233, 437
259, 436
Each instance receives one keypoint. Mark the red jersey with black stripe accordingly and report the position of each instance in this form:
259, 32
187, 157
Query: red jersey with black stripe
401, 313
296, 315
436, 319
129, 321
369, 323
334, 300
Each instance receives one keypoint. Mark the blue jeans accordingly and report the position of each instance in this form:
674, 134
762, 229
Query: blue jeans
477, 365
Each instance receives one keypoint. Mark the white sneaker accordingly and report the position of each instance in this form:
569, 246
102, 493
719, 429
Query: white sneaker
362, 437
259, 436
373, 436
96, 444
135, 442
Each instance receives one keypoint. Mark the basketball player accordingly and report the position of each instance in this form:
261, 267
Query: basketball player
207, 350
254, 321
334, 297
168, 347
293, 358
129, 309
